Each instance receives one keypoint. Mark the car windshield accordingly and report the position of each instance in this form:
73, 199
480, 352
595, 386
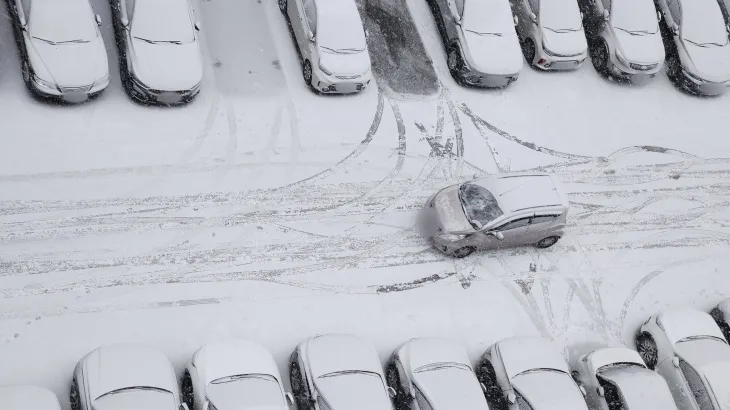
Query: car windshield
480, 206
634, 16
487, 16
444, 383
353, 390
59, 22
339, 29
560, 15
138, 398
245, 392
703, 24
163, 21
540, 370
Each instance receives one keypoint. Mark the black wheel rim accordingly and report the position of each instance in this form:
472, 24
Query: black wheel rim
646, 350
282, 5
530, 46
452, 60
308, 72
463, 252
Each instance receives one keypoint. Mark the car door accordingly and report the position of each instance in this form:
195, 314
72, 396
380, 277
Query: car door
308, 24
452, 14
19, 10
514, 231
540, 227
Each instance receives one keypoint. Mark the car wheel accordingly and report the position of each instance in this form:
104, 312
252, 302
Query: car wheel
301, 395
391, 377
74, 395
282, 6
188, 395
672, 67
26, 73
721, 323
307, 73
454, 62
492, 392
600, 58
530, 51
547, 242
646, 347
463, 252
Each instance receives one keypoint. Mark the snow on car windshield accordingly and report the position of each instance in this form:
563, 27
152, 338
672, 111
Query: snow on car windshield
354, 391
560, 14
634, 15
449, 385
702, 23
62, 21
488, 16
479, 204
339, 28
162, 21
247, 392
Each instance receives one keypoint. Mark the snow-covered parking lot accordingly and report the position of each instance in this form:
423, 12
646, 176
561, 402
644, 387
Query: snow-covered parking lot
264, 211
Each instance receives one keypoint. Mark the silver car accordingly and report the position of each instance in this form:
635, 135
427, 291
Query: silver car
62, 52
687, 348
494, 212
125, 376
624, 37
338, 372
481, 44
525, 373
27, 398
434, 374
697, 45
159, 50
551, 32
331, 42
616, 378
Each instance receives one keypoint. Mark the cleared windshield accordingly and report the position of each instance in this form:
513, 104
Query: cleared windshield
635, 16
703, 24
162, 21
353, 391
560, 15
479, 204
245, 392
62, 21
488, 16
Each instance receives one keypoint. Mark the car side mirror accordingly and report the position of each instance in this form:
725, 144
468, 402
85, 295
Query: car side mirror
184, 406
367, 33
601, 391
98, 20
675, 29
391, 392
516, 20
497, 234
675, 361
483, 386
125, 22
583, 391
511, 398
289, 398
533, 17
310, 36
197, 26
23, 23
658, 16
606, 15
727, 28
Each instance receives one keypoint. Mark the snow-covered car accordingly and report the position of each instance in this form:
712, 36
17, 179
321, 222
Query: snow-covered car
624, 37
233, 375
62, 53
433, 374
331, 41
27, 398
696, 44
687, 348
338, 372
551, 32
721, 315
481, 44
125, 376
497, 211
159, 50
616, 378
523, 373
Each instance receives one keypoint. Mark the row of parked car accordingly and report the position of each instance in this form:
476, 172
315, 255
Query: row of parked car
683, 362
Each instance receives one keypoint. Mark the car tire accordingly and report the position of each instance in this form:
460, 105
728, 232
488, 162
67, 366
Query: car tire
547, 242
721, 322
299, 388
186, 390
393, 380
454, 62
646, 347
492, 392
307, 73
530, 51
74, 395
282, 5
463, 252
25, 69
600, 58
673, 67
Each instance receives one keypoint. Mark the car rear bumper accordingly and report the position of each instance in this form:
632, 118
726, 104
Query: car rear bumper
549, 62
488, 80
333, 84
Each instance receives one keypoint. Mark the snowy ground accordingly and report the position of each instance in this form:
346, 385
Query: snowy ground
266, 212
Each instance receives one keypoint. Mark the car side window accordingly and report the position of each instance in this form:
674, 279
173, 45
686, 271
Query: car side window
310, 11
543, 218
129, 4
675, 10
422, 402
694, 381
607, 5
522, 404
518, 223
460, 7
322, 404
535, 6
26, 8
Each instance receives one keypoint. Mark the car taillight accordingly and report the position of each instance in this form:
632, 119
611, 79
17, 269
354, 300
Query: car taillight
542, 61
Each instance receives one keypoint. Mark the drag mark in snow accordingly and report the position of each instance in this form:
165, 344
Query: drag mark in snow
400, 287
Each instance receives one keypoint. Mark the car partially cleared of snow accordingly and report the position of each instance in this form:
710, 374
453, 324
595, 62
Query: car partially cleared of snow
551, 32
62, 53
524, 372
481, 44
697, 45
159, 50
332, 46
624, 37
616, 378
27, 398
497, 211
233, 375
338, 372
125, 376
686, 347
433, 374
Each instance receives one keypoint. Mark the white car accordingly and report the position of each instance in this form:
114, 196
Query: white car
616, 378
62, 52
338, 372
159, 50
27, 398
687, 348
233, 375
524, 373
125, 376
433, 374
331, 42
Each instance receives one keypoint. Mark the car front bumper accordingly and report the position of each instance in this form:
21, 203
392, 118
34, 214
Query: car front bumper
68, 94
162, 97
550, 62
701, 87
636, 71
334, 84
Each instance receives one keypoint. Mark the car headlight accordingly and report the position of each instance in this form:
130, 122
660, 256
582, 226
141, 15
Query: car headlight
43, 83
450, 237
325, 70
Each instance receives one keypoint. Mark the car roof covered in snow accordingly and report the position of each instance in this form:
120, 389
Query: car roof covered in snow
425, 351
234, 358
27, 398
703, 351
516, 192
681, 323
120, 366
523, 353
641, 388
336, 352
611, 355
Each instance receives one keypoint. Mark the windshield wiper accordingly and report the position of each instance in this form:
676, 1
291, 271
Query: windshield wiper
562, 30
703, 45
78, 41
134, 388
158, 41
343, 372
485, 33
45, 40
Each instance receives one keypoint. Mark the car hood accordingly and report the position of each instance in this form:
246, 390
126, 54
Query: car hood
641, 49
137, 400
345, 64
232, 358
449, 211
69, 64
28, 397
492, 54
165, 66
549, 391
354, 392
712, 63
641, 388
334, 353
569, 43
